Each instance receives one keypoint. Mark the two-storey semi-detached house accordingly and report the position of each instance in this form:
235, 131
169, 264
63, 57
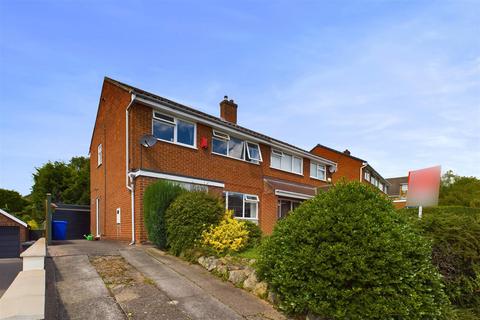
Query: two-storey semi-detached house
259, 178
351, 168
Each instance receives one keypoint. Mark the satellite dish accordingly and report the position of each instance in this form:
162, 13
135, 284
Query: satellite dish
332, 169
148, 140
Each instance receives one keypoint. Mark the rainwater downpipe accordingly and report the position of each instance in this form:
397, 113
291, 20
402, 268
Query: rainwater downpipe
361, 170
130, 178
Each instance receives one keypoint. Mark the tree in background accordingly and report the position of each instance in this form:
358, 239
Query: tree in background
459, 191
12, 201
67, 182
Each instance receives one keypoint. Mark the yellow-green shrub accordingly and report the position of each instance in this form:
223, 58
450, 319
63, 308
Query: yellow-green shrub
230, 235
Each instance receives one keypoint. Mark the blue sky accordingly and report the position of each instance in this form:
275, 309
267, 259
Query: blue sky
396, 82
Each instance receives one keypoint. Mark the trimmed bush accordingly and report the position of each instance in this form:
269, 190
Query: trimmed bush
254, 234
347, 254
188, 216
229, 236
157, 198
455, 234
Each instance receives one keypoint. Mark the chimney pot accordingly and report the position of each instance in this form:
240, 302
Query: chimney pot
228, 110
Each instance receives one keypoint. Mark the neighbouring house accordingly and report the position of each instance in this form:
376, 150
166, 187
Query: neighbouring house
398, 191
260, 178
13, 232
351, 168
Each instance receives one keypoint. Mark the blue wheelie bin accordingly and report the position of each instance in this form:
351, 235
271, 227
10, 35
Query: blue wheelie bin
59, 230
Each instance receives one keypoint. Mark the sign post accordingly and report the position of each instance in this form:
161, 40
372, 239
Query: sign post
423, 188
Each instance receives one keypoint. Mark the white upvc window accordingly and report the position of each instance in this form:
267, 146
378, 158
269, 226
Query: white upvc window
226, 145
318, 171
380, 186
367, 176
374, 181
286, 162
99, 155
244, 206
174, 130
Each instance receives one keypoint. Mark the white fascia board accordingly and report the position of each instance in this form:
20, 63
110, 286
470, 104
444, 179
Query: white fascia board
8, 215
142, 173
239, 134
290, 194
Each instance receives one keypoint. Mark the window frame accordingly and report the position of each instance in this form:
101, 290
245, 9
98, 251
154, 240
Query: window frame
99, 155
318, 165
366, 175
281, 154
253, 199
175, 129
225, 137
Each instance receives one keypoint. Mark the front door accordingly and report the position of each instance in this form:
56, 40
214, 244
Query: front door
285, 206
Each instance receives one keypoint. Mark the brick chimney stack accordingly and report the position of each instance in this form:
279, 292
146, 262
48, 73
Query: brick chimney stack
228, 110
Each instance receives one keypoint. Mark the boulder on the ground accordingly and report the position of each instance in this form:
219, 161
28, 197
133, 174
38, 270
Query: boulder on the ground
237, 277
260, 289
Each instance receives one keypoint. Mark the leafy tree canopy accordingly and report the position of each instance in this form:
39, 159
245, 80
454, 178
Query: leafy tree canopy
12, 201
459, 191
67, 182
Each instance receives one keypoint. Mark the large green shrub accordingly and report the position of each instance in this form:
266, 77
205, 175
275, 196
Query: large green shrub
188, 216
156, 200
455, 234
347, 254
254, 234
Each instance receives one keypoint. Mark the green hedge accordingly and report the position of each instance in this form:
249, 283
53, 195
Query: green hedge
347, 254
189, 215
157, 198
455, 235
254, 234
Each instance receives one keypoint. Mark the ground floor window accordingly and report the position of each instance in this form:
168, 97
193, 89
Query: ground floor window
244, 206
284, 206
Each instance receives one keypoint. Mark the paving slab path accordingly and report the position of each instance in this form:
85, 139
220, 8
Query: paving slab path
197, 292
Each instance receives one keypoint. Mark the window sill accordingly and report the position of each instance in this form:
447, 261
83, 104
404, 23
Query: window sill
178, 144
254, 220
324, 180
225, 156
298, 174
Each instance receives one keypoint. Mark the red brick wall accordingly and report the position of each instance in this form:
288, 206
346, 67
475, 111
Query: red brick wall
347, 167
108, 180
7, 222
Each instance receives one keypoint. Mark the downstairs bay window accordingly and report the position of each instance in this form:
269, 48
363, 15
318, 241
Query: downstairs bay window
244, 206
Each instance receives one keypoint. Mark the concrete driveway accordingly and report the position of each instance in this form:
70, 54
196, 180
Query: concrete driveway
178, 291
9, 268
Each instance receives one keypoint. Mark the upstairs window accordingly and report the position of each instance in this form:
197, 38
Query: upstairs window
318, 171
367, 176
99, 155
286, 162
226, 145
244, 206
380, 186
171, 129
